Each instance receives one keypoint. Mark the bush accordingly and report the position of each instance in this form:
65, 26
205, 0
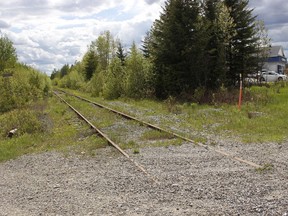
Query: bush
25, 120
258, 95
22, 87
73, 80
96, 84
113, 87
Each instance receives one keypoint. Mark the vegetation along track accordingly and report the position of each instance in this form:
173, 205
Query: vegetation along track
172, 134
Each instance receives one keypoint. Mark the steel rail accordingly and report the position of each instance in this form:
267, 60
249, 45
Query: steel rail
103, 135
224, 153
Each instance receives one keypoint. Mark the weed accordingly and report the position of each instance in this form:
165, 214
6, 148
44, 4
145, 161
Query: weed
136, 151
264, 168
172, 106
129, 145
155, 135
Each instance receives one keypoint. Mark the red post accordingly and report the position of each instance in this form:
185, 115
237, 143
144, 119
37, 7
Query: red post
240, 93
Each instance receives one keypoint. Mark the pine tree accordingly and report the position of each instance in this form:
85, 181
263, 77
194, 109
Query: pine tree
121, 54
90, 63
242, 46
177, 40
221, 26
147, 45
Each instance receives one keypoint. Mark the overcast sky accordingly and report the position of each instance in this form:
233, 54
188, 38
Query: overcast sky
50, 33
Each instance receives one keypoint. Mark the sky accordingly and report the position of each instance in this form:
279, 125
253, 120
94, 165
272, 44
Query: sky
50, 33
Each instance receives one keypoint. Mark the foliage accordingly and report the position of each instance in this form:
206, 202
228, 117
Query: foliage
8, 56
194, 45
22, 87
63, 135
96, 84
220, 30
114, 82
121, 53
242, 46
178, 40
204, 44
73, 80
139, 76
19, 84
25, 120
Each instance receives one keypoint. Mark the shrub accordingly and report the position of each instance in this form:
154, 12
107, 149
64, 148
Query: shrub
113, 87
23, 86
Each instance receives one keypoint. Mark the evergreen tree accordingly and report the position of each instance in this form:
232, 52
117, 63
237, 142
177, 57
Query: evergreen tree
242, 46
90, 63
178, 44
121, 54
64, 70
147, 44
221, 31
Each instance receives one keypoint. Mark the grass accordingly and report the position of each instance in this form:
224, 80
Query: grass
66, 135
56, 128
264, 168
219, 119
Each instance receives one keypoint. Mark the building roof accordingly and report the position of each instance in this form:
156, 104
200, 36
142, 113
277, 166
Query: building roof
276, 51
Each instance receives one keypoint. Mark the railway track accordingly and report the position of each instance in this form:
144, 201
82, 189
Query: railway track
104, 136
155, 127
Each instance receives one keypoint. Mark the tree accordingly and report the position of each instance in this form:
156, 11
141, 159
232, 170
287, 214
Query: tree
8, 56
139, 78
114, 82
105, 49
99, 55
178, 40
263, 43
242, 46
90, 60
64, 70
221, 26
147, 44
120, 53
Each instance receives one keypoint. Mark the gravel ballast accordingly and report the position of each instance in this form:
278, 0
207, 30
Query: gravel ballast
192, 181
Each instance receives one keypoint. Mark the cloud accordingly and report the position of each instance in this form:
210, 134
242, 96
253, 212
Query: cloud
51, 33
4, 24
149, 2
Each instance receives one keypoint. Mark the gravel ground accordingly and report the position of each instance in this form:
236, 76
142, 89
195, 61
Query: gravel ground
192, 181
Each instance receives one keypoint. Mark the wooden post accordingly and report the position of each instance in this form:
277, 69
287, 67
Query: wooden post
240, 93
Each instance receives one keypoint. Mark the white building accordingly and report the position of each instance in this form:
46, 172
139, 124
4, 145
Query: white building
276, 61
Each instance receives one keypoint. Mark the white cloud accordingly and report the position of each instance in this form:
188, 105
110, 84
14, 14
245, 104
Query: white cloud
50, 33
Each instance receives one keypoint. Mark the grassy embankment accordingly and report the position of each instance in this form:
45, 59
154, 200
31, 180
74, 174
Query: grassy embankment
51, 126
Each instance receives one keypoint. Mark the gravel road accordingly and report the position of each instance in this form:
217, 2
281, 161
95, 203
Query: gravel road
192, 181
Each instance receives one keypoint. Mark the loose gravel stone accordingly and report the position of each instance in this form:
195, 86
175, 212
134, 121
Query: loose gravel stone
192, 181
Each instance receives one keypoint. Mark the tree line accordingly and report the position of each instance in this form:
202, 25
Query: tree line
193, 45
